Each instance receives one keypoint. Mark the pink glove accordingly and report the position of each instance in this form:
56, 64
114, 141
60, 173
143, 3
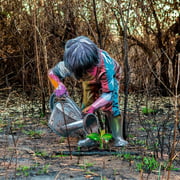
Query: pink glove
89, 110
60, 90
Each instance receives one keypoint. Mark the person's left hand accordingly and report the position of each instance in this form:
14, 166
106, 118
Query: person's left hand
89, 110
60, 90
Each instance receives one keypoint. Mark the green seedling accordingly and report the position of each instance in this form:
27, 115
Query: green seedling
42, 154
101, 138
34, 169
62, 140
20, 126
166, 166
23, 170
42, 115
2, 123
1, 130
148, 164
130, 136
141, 129
59, 156
140, 142
79, 148
86, 165
43, 122
128, 157
148, 111
34, 134
103, 177
115, 172
44, 169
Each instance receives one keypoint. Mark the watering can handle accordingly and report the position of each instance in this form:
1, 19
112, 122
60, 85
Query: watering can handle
53, 99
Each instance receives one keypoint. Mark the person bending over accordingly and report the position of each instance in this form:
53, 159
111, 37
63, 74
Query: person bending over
100, 75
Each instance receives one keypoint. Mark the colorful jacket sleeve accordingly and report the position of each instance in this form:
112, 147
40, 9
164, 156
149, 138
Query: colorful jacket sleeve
58, 73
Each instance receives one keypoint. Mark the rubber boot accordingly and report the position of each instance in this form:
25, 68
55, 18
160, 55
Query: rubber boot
116, 125
90, 126
87, 143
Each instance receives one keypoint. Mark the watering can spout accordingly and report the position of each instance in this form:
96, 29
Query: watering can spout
88, 124
71, 127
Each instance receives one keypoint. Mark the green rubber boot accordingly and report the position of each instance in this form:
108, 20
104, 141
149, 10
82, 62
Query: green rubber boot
116, 125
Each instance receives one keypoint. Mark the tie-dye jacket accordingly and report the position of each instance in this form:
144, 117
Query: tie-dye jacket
100, 84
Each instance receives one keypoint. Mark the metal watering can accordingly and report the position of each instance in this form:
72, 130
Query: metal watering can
66, 117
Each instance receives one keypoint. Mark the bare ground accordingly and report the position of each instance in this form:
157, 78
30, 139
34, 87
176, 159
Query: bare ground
30, 150
44, 157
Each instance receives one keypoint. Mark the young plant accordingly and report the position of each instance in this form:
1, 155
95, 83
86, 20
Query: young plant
23, 170
101, 138
31, 170
2, 123
147, 165
34, 134
86, 165
42, 154
44, 169
128, 157
148, 111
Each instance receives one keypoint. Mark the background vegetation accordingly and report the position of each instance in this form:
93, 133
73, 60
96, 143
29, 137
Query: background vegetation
33, 34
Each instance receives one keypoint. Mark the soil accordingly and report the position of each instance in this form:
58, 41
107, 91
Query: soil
31, 150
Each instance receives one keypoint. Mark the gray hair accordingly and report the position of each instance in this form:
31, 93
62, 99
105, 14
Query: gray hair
80, 55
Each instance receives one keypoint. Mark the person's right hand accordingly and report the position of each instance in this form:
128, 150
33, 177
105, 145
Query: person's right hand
60, 90
88, 110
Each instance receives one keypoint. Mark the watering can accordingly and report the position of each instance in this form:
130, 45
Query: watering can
66, 117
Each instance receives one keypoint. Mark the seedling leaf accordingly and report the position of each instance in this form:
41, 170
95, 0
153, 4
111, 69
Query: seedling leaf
94, 136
